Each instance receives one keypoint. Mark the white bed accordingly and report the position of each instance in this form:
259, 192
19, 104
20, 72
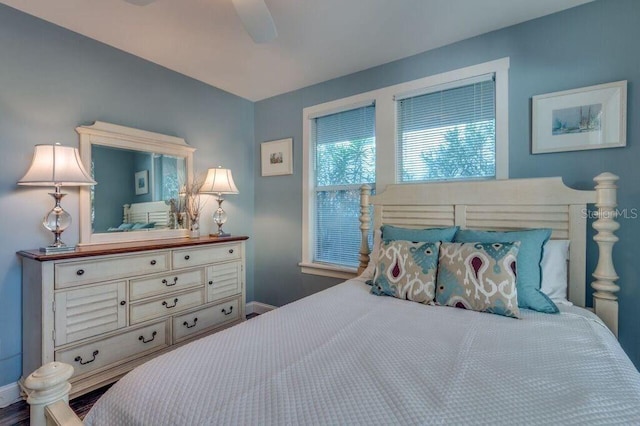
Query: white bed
345, 356
353, 358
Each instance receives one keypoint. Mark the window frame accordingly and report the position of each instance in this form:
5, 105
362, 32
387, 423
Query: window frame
385, 100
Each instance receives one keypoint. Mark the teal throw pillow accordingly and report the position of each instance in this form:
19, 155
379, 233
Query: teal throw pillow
529, 258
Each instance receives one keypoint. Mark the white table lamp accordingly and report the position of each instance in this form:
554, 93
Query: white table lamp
219, 181
57, 166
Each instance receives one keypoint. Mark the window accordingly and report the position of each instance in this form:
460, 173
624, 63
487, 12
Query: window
452, 125
448, 134
344, 150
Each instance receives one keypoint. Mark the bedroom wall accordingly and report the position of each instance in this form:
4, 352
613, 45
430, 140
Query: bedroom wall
591, 44
53, 80
118, 167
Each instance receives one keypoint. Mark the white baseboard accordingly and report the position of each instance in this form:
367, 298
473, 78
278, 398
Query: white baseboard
9, 394
258, 308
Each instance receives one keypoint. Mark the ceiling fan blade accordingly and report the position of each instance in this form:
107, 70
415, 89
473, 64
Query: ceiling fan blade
257, 19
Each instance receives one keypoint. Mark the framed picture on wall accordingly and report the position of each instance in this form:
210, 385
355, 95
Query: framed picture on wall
277, 157
591, 117
142, 182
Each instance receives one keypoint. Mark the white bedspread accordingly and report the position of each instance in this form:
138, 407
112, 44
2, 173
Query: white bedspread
344, 356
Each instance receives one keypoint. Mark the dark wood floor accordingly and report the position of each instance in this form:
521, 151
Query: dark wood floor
18, 414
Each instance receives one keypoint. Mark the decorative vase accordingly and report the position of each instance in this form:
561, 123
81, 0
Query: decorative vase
194, 228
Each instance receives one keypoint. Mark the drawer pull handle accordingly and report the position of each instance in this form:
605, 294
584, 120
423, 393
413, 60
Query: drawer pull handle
80, 272
210, 282
166, 305
153, 262
123, 302
186, 324
224, 311
153, 336
79, 358
165, 282
187, 257
230, 251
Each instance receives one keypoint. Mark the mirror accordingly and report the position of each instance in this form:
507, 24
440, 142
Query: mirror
138, 174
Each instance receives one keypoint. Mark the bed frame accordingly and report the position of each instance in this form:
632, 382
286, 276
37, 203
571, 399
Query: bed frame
152, 211
509, 205
490, 205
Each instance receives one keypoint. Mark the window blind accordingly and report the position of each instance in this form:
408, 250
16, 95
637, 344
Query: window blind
448, 134
344, 146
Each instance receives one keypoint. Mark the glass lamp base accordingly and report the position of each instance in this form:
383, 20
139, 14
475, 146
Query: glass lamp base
220, 234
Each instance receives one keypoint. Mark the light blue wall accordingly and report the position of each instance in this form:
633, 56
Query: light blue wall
592, 44
113, 169
51, 81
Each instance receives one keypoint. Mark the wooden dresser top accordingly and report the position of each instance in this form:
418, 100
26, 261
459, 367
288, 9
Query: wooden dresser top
128, 247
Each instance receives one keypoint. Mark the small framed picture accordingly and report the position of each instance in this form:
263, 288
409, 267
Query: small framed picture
142, 182
277, 157
587, 118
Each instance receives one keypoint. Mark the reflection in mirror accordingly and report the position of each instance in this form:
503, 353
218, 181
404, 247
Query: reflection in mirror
138, 174
127, 177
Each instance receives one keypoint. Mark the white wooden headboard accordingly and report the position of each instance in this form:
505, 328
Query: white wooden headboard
508, 205
152, 211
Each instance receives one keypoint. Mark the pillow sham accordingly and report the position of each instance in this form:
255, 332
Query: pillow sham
529, 258
554, 271
390, 232
139, 225
406, 270
370, 270
479, 276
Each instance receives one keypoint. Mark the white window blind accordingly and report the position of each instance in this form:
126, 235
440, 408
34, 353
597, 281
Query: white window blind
344, 153
448, 133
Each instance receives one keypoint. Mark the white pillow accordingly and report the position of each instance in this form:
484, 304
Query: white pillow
370, 270
554, 270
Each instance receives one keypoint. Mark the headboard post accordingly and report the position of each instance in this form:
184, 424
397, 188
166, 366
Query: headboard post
126, 213
605, 300
365, 224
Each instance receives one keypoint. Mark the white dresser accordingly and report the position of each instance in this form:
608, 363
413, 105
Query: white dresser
106, 309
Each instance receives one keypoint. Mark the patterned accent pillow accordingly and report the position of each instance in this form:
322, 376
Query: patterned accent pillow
479, 276
406, 270
529, 258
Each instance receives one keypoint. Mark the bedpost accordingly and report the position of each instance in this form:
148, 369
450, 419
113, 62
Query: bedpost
605, 301
365, 224
126, 213
48, 394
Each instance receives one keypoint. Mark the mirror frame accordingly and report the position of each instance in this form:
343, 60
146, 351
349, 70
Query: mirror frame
115, 136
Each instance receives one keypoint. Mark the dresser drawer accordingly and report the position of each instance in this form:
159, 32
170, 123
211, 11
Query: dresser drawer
223, 280
204, 255
198, 321
107, 269
167, 283
168, 305
118, 348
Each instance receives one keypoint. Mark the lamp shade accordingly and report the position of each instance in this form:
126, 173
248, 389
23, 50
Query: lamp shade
219, 181
56, 165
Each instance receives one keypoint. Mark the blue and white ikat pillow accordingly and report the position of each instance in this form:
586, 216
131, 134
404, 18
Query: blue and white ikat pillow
479, 277
406, 270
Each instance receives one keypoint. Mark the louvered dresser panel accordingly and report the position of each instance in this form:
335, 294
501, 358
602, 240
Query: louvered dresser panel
89, 311
107, 309
224, 280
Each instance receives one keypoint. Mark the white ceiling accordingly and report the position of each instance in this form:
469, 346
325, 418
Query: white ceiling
317, 39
